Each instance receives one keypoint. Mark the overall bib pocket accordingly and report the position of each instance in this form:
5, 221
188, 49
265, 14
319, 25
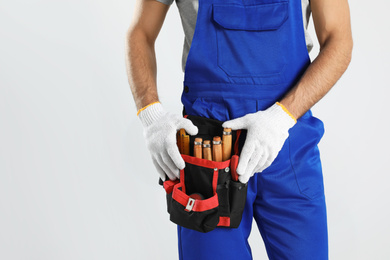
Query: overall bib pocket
208, 193
251, 39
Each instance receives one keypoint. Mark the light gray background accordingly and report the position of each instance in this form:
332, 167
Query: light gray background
76, 179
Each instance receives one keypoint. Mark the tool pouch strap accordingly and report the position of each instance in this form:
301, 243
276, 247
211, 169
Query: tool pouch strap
224, 196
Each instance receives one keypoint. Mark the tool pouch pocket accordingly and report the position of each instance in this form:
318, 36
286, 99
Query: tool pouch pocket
222, 196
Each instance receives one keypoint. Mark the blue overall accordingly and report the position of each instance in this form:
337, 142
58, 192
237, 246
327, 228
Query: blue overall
244, 56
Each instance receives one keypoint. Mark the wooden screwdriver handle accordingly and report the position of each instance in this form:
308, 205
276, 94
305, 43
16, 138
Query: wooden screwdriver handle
207, 150
198, 147
226, 144
217, 149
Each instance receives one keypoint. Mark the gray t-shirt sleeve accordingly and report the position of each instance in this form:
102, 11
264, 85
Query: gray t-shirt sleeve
167, 2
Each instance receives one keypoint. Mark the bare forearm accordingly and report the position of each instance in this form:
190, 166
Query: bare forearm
319, 77
141, 68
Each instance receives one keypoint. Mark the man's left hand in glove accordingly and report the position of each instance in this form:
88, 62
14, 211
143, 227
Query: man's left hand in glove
266, 133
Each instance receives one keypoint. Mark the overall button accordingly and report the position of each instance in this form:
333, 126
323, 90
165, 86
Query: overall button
186, 89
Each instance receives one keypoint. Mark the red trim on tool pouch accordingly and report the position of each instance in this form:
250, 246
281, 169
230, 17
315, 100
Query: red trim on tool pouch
168, 185
224, 221
205, 163
233, 167
182, 180
199, 205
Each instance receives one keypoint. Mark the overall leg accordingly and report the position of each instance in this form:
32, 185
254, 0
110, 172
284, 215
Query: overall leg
290, 208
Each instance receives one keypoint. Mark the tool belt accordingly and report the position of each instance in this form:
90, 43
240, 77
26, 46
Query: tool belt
223, 195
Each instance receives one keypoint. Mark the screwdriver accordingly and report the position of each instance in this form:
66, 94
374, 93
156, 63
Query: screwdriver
207, 150
198, 147
226, 144
217, 149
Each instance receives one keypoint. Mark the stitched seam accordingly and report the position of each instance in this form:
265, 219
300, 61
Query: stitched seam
292, 167
254, 5
269, 4
180, 245
260, 223
266, 240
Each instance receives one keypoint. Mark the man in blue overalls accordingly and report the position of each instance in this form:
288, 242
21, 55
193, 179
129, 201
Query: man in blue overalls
248, 65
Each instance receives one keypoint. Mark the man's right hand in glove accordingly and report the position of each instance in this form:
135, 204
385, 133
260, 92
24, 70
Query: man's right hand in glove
160, 128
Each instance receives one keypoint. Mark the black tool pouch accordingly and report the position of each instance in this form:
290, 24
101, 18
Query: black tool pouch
223, 196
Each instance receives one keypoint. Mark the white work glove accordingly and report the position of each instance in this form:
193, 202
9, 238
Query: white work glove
160, 128
266, 133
